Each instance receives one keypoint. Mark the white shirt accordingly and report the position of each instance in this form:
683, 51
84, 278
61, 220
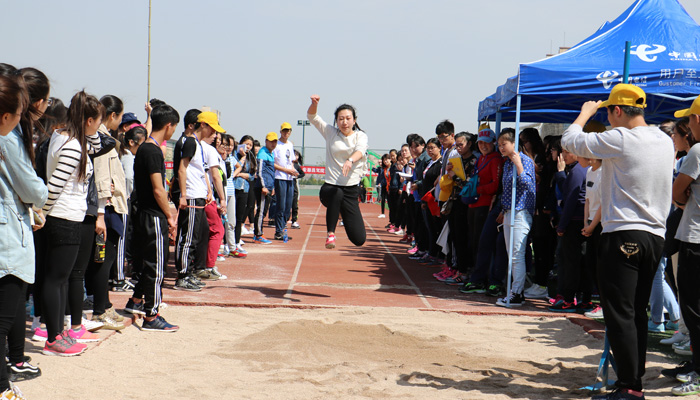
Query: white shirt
339, 148
71, 203
689, 227
284, 157
212, 159
196, 175
593, 191
636, 175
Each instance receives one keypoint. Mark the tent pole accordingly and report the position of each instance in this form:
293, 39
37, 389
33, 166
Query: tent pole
626, 73
512, 202
498, 123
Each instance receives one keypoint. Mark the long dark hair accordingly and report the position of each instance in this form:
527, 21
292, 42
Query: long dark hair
38, 87
10, 95
352, 110
56, 115
16, 94
250, 155
82, 106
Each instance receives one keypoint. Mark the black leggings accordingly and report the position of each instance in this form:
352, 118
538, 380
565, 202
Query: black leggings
63, 244
76, 281
343, 200
12, 294
98, 274
241, 214
385, 197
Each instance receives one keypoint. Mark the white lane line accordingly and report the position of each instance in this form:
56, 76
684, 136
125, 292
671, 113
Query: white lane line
398, 264
290, 289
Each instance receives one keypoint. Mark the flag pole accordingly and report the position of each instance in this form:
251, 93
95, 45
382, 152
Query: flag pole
148, 88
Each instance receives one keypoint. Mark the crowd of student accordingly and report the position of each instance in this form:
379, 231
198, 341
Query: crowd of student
86, 205
451, 198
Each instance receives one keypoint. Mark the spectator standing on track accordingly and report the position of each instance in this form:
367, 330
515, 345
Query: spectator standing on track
285, 173
635, 198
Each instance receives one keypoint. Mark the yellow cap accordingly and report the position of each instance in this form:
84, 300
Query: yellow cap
210, 119
286, 125
624, 94
694, 109
272, 136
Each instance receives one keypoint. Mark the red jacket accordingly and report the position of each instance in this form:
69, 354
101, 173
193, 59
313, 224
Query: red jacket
490, 169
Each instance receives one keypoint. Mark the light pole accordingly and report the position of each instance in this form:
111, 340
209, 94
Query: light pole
303, 123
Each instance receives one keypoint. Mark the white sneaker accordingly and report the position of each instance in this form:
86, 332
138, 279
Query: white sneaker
163, 306
683, 348
91, 325
295, 225
596, 313
676, 338
245, 231
536, 292
220, 258
381, 216
399, 232
241, 243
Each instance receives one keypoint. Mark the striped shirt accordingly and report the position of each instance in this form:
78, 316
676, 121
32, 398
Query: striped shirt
68, 194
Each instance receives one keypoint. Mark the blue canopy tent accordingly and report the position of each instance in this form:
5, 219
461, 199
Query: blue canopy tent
664, 61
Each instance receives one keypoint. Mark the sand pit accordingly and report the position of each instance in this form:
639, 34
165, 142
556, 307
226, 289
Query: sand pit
348, 353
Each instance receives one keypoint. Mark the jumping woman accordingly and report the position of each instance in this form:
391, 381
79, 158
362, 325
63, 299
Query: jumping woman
346, 146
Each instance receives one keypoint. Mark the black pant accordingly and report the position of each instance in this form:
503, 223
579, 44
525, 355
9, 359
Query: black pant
241, 208
263, 206
343, 200
459, 236
688, 294
12, 294
574, 276
421, 230
544, 239
189, 235
63, 244
394, 207
250, 212
150, 250
97, 276
628, 262
410, 214
76, 281
476, 217
384, 195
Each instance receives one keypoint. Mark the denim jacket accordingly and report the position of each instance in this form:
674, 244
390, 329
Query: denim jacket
241, 183
20, 187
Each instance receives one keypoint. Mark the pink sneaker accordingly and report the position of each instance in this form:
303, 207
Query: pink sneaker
443, 271
451, 273
40, 335
330, 241
391, 229
412, 250
83, 335
63, 345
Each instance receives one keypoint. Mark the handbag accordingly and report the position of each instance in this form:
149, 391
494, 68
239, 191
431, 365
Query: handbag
469, 194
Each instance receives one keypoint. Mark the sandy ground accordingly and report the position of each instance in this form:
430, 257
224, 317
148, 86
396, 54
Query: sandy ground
348, 353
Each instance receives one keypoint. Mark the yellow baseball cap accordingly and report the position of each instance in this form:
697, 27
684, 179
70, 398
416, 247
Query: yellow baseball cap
286, 125
272, 136
210, 119
624, 94
694, 109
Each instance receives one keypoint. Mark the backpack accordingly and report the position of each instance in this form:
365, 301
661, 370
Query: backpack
469, 195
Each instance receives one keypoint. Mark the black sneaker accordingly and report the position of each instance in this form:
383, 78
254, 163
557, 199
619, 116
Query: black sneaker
470, 287
682, 368
281, 237
22, 372
87, 306
618, 394
159, 324
134, 308
122, 286
495, 291
514, 300
186, 284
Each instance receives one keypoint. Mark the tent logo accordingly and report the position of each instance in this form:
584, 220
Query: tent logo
607, 78
643, 51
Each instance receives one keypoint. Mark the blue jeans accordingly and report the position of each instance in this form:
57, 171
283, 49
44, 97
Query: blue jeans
662, 296
519, 230
491, 259
284, 196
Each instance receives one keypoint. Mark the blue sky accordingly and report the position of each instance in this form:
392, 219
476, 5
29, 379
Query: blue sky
404, 64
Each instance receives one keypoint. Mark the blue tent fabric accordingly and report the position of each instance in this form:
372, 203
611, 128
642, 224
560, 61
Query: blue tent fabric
664, 61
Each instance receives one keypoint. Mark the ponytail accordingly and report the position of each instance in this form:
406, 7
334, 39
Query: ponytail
82, 107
